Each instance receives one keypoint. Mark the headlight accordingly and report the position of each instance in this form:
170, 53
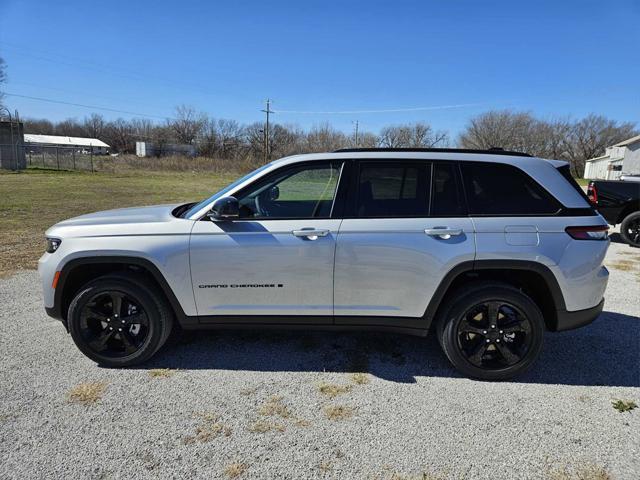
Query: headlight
53, 244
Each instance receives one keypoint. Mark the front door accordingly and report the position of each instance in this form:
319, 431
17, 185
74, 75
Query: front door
408, 229
277, 259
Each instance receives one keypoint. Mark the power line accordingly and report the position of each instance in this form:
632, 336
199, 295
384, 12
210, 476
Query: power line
93, 107
389, 110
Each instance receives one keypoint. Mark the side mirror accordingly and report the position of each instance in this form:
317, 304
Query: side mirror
225, 208
274, 193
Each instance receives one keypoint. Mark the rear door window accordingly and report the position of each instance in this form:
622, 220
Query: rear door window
500, 189
447, 199
395, 189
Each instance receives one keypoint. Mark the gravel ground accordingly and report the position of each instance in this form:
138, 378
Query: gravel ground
411, 415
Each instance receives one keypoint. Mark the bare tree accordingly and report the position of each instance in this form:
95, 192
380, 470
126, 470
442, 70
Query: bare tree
38, 126
324, 138
94, 126
417, 135
120, 135
589, 138
187, 124
69, 128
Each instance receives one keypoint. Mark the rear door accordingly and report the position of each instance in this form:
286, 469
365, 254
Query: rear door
406, 227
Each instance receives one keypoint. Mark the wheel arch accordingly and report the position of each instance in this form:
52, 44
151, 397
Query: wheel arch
628, 210
533, 278
79, 271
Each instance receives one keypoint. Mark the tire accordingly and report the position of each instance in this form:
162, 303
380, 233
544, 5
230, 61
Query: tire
630, 229
119, 339
487, 349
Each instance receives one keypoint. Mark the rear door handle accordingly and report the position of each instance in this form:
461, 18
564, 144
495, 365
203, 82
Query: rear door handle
310, 233
443, 232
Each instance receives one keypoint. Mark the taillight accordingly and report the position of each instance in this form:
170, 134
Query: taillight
595, 232
592, 193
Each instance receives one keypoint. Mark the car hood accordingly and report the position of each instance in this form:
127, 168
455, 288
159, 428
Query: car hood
152, 214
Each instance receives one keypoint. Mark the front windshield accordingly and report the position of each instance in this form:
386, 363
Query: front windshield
222, 192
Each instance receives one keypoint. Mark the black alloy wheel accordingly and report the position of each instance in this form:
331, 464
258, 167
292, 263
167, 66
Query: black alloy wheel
119, 320
491, 330
630, 229
113, 324
494, 334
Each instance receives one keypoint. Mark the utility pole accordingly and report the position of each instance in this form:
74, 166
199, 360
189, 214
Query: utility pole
356, 126
267, 111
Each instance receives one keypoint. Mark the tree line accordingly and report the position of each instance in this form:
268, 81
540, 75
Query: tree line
566, 139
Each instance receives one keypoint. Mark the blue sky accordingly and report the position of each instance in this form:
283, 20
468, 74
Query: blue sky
553, 58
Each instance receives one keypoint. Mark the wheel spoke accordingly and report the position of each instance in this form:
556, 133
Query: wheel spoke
128, 342
467, 327
478, 351
100, 342
507, 354
97, 314
492, 315
116, 301
135, 319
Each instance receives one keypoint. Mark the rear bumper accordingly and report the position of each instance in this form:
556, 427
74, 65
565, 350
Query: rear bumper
570, 320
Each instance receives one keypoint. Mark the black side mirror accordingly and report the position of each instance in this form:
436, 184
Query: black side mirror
225, 208
274, 193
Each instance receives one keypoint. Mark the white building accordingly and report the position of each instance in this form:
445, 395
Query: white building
82, 145
621, 158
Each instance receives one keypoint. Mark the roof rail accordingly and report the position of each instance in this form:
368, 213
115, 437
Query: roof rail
492, 151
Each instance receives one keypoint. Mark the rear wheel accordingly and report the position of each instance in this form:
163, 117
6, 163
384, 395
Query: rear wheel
492, 332
117, 320
630, 229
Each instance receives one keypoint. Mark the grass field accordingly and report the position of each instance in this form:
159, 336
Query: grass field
32, 201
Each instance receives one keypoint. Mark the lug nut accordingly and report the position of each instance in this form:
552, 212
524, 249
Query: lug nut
498, 340
484, 331
110, 328
108, 319
487, 340
121, 330
492, 326
501, 331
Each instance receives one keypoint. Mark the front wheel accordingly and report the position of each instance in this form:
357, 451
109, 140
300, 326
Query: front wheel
630, 229
492, 332
117, 321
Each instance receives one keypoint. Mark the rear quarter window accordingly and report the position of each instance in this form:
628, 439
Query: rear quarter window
501, 189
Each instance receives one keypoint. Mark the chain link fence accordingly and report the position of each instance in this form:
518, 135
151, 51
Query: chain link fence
54, 158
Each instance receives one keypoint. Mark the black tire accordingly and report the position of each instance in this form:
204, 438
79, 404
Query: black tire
106, 343
630, 229
507, 346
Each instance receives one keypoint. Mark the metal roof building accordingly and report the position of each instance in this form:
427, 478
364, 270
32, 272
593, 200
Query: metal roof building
33, 140
619, 159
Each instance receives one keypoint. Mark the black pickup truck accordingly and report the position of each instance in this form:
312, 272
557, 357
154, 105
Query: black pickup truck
618, 201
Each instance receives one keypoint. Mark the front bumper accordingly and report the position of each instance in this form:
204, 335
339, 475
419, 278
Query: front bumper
570, 320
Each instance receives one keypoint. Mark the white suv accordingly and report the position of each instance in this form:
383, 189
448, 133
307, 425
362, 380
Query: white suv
487, 248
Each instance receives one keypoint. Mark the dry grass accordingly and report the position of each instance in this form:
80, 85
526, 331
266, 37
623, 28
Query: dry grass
621, 265
301, 422
587, 472
338, 412
422, 476
87, 393
161, 372
624, 405
360, 378
33, 201
264, 426
274, 407
234, 470
248, 391
176, 163
210, 428
325, 466
333, 390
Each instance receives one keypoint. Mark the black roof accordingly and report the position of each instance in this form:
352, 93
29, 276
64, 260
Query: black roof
491, 151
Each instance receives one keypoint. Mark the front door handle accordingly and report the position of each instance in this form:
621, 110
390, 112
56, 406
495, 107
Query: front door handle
443, 232
310, 233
